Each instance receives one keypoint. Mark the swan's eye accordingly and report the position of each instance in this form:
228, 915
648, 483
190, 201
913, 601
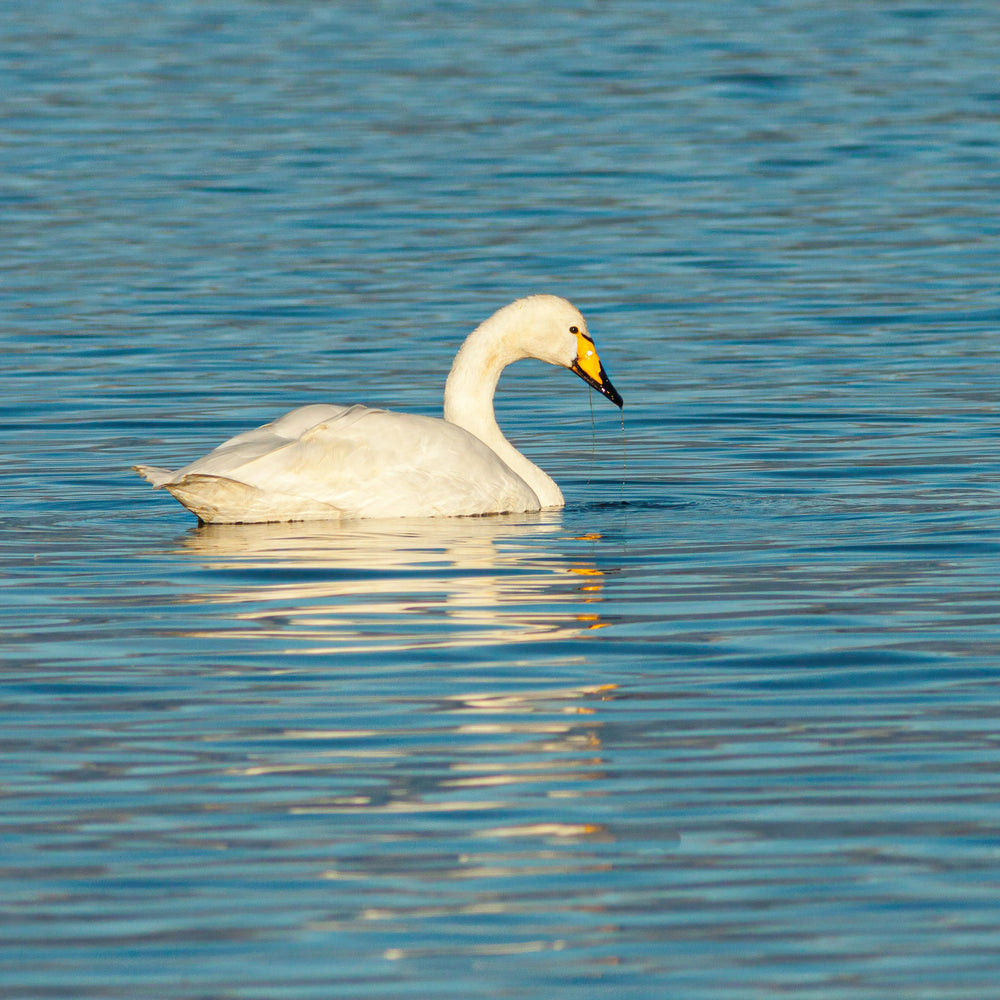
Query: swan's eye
574, 329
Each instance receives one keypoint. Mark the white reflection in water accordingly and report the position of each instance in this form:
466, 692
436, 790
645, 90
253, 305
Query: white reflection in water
484, 753
373, 586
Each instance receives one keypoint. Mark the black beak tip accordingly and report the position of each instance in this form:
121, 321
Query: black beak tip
602, 385
607, 389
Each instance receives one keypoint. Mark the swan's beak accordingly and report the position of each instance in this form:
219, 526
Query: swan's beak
588, 366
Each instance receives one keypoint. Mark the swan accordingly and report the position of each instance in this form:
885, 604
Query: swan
326, 462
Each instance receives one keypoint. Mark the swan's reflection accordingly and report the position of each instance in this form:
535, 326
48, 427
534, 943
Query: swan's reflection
467, 786
392, 585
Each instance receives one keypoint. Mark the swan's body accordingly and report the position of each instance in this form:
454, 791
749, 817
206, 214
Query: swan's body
323, 461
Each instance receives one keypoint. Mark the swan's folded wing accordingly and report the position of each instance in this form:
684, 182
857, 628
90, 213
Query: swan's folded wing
240, 451
376, 463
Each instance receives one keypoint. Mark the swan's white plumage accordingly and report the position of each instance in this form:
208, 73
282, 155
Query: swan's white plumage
325, 461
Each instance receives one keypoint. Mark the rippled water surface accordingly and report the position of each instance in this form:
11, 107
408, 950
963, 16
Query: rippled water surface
725, 728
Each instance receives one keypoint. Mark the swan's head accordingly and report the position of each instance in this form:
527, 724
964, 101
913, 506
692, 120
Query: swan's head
553, 330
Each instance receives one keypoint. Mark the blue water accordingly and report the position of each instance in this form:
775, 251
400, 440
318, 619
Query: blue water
725, 728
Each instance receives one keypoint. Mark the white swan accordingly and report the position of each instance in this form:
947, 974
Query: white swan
324, 462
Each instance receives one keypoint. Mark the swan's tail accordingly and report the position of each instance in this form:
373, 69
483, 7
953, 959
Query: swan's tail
158, 477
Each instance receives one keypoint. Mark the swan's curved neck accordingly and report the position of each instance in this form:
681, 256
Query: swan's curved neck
468, 401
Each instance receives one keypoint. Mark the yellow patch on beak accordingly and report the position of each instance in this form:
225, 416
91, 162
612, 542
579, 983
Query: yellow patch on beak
586, 357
